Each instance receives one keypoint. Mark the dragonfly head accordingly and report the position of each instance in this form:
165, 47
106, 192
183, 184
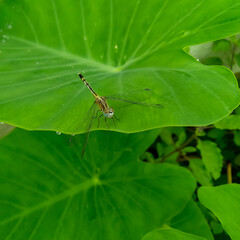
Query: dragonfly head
109, 112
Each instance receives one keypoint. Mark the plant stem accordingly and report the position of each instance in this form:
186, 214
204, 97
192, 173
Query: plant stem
189, 140
229, 173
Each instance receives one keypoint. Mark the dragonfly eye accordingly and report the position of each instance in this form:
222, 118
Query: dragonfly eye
110, 113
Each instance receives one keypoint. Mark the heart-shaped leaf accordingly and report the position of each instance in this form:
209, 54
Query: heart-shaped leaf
224, 202
120, 47
48, 192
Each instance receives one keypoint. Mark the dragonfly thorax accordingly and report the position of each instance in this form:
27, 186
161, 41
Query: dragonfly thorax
109, 112
103, 106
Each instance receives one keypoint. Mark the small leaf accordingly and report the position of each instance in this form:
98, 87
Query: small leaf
231, 122
216, 133
200, 172
221, 45
236, 137
148, 157
212, 61
160, 149
236, 160
224, 202
170, 234
237, 56
166, 135
211, 157
189, 149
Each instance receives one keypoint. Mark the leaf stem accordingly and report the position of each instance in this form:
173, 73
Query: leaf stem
229, 173
189, 140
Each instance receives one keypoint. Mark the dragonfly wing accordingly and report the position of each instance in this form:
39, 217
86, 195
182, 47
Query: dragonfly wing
135, 102
87, 133
86, 123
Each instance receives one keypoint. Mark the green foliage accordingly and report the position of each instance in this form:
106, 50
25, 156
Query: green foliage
211, 157
48, 192
119, 46
118, 190
200, 172
231, 122
224, 202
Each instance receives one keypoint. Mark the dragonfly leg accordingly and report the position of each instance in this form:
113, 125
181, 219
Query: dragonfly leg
106, 122
114, 122
99, 121
116, 118
97, 113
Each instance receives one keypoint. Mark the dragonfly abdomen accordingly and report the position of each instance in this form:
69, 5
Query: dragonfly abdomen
87, 84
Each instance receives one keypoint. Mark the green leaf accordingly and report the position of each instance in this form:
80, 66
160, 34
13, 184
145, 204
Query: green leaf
216, 134
216, 227
119, 46
221, 45
173, 135
189, 149
47, 191
231, 122
170, 234
212, 61
224, 202
236, 137
211, 157
237, 56
200, 172
191, 220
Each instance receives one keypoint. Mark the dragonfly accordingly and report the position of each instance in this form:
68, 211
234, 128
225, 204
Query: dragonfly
105, 109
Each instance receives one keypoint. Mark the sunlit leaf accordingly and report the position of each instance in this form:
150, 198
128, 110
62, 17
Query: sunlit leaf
119, 46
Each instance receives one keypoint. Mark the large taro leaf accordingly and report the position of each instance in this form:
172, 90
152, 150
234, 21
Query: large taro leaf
120, 46
48, 192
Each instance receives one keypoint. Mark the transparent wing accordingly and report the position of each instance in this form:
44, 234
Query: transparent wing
87, 133
86, 123
132, 97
